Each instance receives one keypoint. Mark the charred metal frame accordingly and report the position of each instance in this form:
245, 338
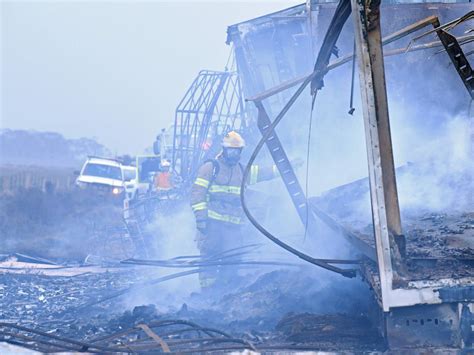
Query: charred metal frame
389, 239
442, 320
413, 313
442, 308
431, 20
385, 209
278, 153
389, 236
211, 106
458, 58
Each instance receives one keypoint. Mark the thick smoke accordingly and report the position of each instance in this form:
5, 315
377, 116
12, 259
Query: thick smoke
432, 147
431, 137
432, 158
440, 177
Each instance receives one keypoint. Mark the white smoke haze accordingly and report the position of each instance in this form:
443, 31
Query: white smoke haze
441, 177
173, 233
435, 169
433, 156
431, 144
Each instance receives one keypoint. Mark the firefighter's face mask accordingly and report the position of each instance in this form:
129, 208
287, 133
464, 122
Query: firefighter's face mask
232, 155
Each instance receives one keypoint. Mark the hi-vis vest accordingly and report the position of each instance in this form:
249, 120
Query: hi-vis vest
163, 180
218, 198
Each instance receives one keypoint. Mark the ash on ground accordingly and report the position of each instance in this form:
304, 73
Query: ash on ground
279, 306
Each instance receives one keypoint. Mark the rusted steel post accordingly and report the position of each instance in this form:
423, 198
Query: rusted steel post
390, 242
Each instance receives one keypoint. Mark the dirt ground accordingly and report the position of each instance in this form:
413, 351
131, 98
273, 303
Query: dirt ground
64, 224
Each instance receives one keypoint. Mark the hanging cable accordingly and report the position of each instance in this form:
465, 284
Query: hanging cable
308, 153
341, 14
351, 103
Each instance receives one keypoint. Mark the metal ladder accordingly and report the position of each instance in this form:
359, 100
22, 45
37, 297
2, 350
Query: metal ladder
134, 229
458, 59
284, 167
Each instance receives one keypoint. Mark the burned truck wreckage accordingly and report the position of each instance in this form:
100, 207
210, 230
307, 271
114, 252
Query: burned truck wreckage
362, 87
421, 279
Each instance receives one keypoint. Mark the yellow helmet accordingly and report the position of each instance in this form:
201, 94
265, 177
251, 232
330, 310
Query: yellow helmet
233, 140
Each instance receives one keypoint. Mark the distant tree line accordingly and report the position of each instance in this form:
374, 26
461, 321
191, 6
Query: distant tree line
27, 147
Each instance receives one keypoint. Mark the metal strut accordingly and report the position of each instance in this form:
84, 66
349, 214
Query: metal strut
389, 239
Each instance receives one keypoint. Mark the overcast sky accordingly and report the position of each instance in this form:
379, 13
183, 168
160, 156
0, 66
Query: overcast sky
114, 70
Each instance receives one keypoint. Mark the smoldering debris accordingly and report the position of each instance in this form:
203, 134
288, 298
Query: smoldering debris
57, 301
188, 337
262, 303
439, 237
329, 331
35, 308
139, 339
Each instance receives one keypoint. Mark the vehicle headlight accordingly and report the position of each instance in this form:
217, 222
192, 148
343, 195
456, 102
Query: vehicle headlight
117, 190
81, 184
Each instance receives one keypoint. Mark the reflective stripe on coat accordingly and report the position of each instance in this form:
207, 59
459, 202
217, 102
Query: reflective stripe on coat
220, 199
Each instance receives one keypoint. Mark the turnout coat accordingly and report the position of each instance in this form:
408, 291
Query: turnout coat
215, 194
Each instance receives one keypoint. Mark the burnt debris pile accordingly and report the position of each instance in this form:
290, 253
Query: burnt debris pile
330, 331
57, 308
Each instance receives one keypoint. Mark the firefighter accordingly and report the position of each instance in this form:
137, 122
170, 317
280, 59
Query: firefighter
215, 200
163, 177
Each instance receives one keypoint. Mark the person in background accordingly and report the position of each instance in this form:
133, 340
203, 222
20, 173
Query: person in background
163, 178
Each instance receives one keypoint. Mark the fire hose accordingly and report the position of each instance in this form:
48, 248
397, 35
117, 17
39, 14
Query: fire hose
340, 17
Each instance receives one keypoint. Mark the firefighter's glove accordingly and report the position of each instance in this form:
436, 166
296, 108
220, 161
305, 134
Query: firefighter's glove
201, 226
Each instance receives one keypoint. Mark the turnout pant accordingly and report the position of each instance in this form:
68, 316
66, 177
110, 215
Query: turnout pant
219, 238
